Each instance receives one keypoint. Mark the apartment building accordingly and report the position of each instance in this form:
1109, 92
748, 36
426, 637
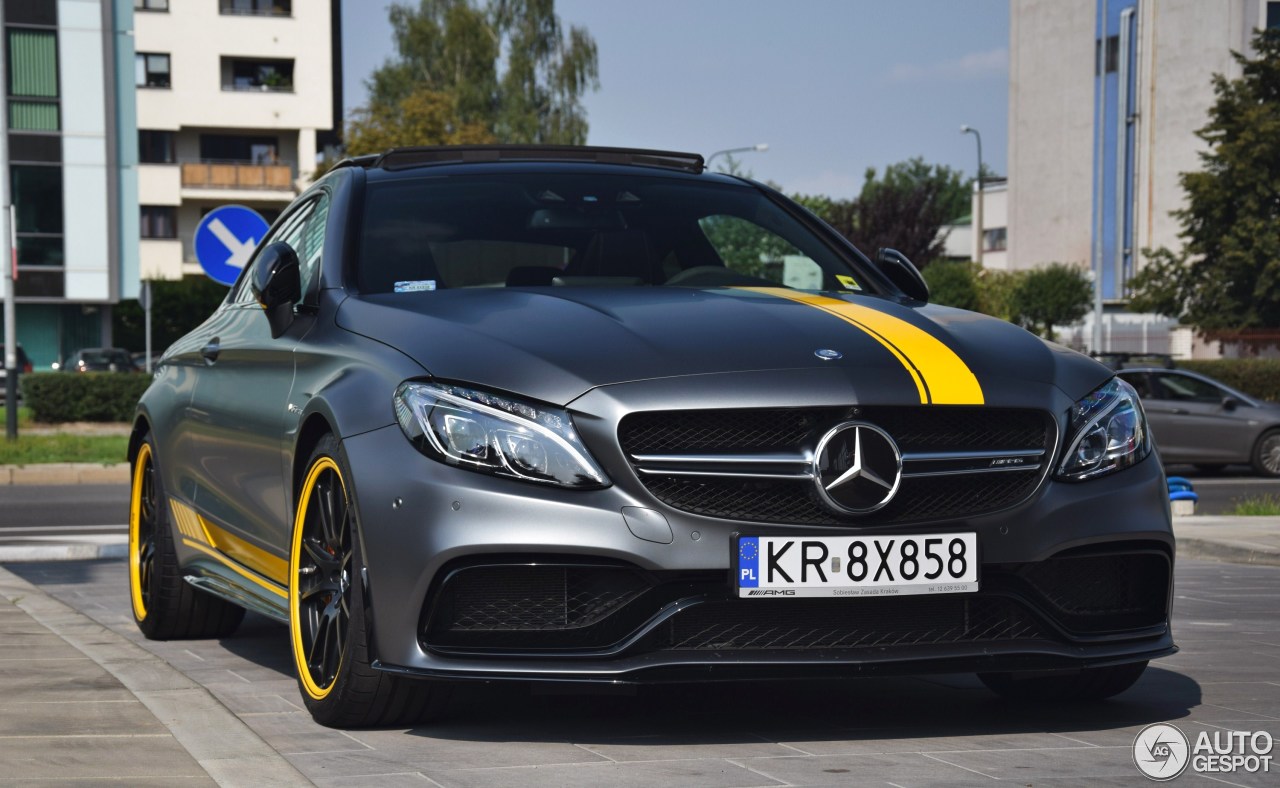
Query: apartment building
70, 149
1105, 98
235, 99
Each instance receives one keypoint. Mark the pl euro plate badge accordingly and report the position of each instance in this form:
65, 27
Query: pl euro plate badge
778, 566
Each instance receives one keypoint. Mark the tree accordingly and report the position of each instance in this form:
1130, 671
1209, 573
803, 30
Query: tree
424, 117
1054, 295
907, 208
1227, 277
955, 284
176, 308
447, 66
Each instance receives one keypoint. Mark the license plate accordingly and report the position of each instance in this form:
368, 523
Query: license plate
785, 566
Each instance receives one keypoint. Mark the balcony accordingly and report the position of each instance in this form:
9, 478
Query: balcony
237, 175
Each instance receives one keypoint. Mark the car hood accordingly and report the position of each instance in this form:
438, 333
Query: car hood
553, 344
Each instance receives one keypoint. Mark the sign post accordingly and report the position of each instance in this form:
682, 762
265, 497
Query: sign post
225, 240
144, 300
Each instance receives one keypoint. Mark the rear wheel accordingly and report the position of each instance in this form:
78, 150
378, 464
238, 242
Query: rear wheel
1266, 454
165, 606
327, 623
1084, 685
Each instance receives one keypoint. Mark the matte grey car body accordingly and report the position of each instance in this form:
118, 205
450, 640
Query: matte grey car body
1196, 419
652, 397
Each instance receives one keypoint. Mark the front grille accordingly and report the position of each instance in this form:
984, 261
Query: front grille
1102, 593
794, 431
815, 624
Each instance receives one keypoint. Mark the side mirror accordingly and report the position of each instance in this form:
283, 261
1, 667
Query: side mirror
277, 285
903, 273
1230, 403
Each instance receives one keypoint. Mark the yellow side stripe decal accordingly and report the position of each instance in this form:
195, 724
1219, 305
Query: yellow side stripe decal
247, 553
941, 376
188, 523
246, 574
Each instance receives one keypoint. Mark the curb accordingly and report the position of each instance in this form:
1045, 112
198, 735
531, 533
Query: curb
1224, 552
76, 551
65, 473
219, 741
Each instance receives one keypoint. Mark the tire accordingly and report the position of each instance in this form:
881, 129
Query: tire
328, 628
164, 605
1266, 454
1089, 684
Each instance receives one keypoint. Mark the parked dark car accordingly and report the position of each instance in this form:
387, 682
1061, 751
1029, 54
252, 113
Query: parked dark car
598, 415
1196, 419
24, 365
100, 359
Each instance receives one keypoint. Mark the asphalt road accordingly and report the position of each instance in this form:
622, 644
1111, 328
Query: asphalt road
938, 730
102, 508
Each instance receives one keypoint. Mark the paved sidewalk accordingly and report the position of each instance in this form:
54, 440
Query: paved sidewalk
1236, 540
65, 473
82, 703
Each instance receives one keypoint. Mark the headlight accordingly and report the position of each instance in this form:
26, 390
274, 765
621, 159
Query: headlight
495, 434
1108, 432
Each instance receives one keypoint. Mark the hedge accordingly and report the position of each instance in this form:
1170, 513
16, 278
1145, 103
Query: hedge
1257, 377
83, 396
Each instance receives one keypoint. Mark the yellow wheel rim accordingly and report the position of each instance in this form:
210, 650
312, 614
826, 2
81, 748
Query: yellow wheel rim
142, 531
320, 575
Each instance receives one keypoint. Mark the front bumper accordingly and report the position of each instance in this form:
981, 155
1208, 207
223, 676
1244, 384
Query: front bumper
421, 520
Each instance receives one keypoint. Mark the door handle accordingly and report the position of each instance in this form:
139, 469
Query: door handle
211, 350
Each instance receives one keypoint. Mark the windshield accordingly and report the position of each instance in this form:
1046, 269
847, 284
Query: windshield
574, 229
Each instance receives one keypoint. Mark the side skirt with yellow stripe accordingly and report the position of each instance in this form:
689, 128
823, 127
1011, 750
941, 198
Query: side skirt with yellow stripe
236, 570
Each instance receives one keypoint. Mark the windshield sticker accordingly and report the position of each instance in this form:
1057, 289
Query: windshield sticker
848, 282
416, 286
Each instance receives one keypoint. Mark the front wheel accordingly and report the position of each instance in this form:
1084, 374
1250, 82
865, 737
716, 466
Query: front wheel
327, 624
1266, 454
1083, 685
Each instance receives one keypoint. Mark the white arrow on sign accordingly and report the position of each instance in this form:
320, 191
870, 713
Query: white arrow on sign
240, 250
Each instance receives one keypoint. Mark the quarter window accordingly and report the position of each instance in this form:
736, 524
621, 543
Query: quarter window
289, 232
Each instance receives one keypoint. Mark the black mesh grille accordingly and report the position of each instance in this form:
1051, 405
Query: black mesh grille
1094, 593
532, 598
811, 624
775, 501
915, 429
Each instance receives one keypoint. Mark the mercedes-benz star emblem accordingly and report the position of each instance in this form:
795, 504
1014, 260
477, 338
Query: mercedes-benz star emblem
857, 468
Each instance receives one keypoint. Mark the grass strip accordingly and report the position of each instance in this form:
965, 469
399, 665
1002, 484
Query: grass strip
1266, 505
63, 447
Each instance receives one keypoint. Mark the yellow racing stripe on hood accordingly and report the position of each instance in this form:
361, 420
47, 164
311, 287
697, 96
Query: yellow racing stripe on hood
940, 375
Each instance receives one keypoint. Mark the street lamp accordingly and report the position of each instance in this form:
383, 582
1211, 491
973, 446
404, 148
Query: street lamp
760, 148
977, 219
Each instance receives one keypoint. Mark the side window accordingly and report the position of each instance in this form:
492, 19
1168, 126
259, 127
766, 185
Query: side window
1188, 389
311, 247
290, 231
747, 248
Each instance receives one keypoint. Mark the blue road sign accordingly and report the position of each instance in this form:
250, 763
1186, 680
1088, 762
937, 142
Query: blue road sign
225, 240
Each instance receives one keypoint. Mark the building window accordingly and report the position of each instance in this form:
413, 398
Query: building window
37, 202
151, 70
995, 240
156, 147
257, 75
235, 148
1273, 16
150, 5
256, 7
1110, 56
33, 80
159, 221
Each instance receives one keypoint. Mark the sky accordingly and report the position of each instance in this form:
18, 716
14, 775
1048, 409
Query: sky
832, 86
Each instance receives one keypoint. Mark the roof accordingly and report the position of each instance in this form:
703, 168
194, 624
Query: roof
403, 158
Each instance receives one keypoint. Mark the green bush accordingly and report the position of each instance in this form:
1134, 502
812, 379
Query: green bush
83, 396
1257, 377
